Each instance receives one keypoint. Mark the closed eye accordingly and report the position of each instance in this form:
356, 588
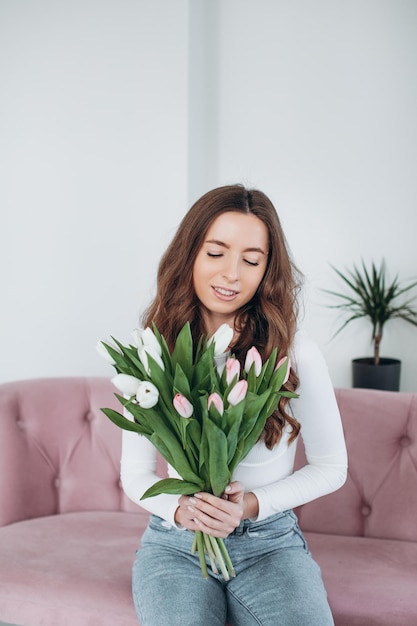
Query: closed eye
220, 254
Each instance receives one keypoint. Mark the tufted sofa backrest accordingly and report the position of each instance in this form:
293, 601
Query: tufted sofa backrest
58, 451
379, 498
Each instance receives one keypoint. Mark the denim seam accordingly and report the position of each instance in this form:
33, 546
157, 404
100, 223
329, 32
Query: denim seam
245, 606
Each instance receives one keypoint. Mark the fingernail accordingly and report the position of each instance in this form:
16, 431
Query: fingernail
228, 488
192, 501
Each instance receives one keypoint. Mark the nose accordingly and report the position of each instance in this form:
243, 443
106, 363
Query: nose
231, 270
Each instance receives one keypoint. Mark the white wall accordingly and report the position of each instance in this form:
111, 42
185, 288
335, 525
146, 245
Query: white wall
317, 106
114, 116
93, 157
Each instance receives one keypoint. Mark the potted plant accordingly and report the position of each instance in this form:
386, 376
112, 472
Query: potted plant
372, 296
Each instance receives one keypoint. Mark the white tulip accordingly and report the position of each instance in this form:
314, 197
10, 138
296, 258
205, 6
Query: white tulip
143, 352
146, 337
150, 341
147, 395
222, 338
137, 337
220, 362
128, 385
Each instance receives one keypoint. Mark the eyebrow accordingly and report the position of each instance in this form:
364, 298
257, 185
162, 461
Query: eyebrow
224, 245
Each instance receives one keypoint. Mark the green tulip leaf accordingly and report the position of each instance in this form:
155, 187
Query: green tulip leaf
172, 486
166, 355
123, 422
181, 384
183, 351
267, 371
218, 467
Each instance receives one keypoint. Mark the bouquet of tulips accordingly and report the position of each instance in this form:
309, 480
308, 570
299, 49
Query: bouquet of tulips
200, 411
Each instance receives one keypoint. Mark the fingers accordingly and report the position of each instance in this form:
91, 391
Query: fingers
185, 515
214, 515
211, 514
235, 487
235, 491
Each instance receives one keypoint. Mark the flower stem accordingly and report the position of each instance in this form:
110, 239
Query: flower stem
201, 553
194, 546
216, 551
219, 557
226, 557
210, 553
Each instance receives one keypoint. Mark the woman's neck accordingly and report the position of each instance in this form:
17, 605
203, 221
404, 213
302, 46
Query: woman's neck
212, 322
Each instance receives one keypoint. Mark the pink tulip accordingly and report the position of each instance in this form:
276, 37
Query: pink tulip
232, 369
238, 392
253, 356
216, 400
182, 405
281, 362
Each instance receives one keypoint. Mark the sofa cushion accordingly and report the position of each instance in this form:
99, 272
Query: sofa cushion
73, 568
363, 574
54, 553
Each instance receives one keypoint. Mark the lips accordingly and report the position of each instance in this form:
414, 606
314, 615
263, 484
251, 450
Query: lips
225, 293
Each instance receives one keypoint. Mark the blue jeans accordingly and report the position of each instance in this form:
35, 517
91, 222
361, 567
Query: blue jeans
277, 582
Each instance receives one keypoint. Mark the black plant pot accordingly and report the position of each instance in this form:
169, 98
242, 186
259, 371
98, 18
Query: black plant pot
384, 376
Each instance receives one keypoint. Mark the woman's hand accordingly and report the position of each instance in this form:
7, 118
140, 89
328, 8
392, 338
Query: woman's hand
213, 515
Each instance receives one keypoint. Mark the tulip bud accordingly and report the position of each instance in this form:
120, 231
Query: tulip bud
253, 357
222, 338
147, 395
238, 392
128, 385
137, 337
182, 405
220, 362
150, 341
216, 400
232, 369
103, 352
143, 352
281, 362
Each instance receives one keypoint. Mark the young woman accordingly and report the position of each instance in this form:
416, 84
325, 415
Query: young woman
229, 262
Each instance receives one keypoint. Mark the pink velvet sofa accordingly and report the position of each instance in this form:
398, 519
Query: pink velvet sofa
68, 534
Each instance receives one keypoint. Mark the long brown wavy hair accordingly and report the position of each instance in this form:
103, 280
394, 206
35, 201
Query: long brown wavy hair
267, 321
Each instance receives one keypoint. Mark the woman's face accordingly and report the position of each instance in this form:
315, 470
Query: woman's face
230, 266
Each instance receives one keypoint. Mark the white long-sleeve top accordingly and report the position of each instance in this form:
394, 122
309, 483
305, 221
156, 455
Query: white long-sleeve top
269, 474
